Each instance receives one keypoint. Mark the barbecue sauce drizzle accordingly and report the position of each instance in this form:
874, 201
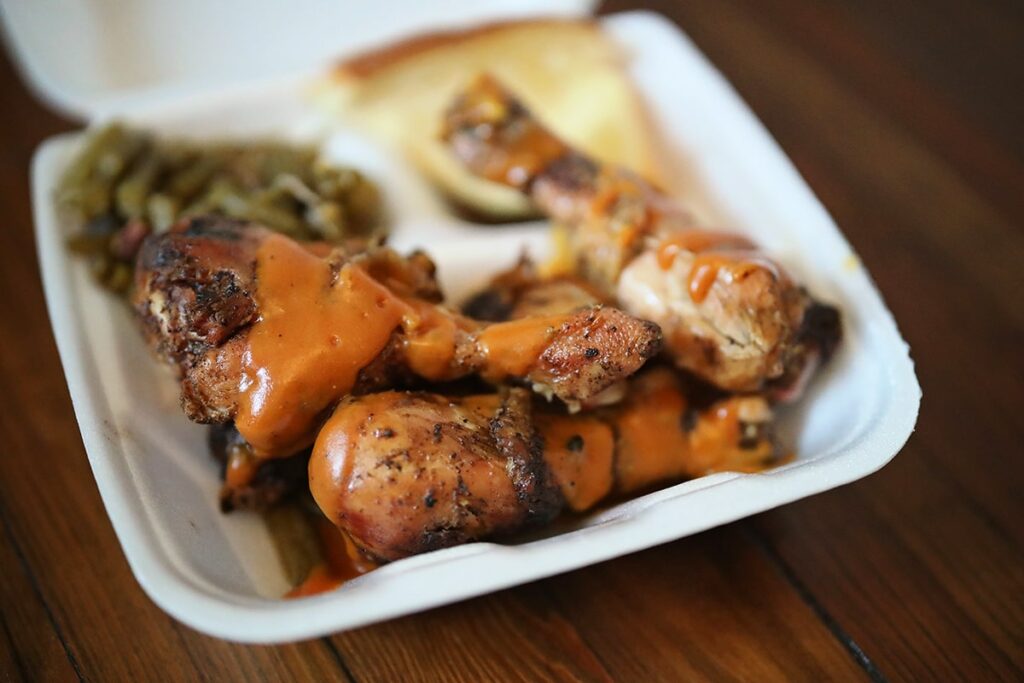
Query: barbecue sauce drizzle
341, 562
713, 253
315, 333
320, 325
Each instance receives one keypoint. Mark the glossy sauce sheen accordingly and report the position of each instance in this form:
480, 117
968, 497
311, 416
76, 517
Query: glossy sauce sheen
714, 252
317, 329
651, 444
334, 456
240, 469
644, 441
342, 562
513, 347
715, 444
352, 424
533, 150
714, 438
313, 337
697, 241
580, 451
430, 340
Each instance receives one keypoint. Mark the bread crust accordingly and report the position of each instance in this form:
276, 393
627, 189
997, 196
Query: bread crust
371, 63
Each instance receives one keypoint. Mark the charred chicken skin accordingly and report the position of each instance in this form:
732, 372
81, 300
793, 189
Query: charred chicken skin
403, 473
271, 334
730, 315
522, 292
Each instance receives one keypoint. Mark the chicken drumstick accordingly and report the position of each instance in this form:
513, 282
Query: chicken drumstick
404, 473
271, 334
729, 313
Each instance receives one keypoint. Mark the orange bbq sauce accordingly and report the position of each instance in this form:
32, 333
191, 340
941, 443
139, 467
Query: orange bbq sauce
318, 329
580, 451
342, 562
302, 353
714, 251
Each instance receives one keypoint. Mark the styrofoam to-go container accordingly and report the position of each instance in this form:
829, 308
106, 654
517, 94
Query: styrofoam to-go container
219, 573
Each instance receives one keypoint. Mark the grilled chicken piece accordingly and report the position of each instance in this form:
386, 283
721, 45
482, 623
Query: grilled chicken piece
270, 333
573, 356
522, 292
195, 285
665, 430
518, 293
730, 315
404, 473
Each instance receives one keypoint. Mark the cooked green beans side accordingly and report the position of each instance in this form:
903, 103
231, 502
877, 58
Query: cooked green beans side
126, 184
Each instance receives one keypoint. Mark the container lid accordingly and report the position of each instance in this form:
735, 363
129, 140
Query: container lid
94, 58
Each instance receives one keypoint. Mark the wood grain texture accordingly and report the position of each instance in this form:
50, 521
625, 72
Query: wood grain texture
711, 607
906, 120
652, 616
29, 643
900, 554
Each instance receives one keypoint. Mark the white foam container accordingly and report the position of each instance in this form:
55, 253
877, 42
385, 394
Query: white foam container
218, 573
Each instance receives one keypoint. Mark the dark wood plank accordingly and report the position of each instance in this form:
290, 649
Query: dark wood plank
514, 635
869, 64
715, 602
950, 265
30, 647
922, 585
112, 629
924, 234
712, 607
903, 553
973, 52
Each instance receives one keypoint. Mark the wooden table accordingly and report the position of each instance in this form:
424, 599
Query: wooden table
906, 121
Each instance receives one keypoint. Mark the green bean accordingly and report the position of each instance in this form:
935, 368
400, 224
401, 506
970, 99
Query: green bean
274, 217
87, 189
219, 189
92, 198
81, 168
123, 175
275, 160
119, 279
115, 159
261, 210
162, 211
88, 245
101, 267
293, 186
327, 219
190, 180
132, 192
364, 208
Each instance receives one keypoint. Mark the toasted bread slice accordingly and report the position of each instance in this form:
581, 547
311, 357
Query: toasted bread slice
567, 71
